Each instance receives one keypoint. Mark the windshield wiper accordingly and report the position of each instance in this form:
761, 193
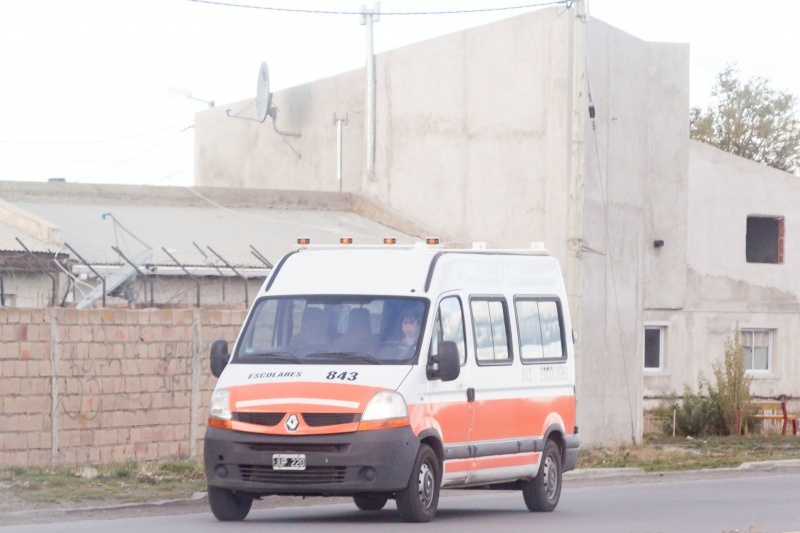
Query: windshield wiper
351, 356
280, 356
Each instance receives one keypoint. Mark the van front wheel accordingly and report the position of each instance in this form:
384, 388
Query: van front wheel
227, 505
418, 501
542, 493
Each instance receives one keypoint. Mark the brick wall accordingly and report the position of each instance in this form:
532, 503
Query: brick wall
106, 385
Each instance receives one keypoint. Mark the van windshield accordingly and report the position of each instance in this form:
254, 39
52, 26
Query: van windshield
324, 329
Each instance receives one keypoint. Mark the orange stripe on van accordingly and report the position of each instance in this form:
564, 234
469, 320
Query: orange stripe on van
488, 420
281, 398
336, 392
520, 417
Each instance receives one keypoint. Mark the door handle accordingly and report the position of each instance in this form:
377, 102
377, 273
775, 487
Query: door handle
470, 394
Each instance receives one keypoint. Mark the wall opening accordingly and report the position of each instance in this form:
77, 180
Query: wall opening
653, 348
764, 239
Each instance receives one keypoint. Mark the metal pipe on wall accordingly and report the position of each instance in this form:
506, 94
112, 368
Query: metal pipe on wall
368, 17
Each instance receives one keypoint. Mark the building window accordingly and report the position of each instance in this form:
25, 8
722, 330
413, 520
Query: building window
757, 349
764, 240
654, 348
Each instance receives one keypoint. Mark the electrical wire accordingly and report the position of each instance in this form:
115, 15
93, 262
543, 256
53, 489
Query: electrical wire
115, 165
94, 141
567, 3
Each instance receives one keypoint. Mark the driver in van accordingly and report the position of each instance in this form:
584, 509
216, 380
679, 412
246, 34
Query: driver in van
410, 331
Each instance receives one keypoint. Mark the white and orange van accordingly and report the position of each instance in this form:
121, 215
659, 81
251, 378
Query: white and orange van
389, 373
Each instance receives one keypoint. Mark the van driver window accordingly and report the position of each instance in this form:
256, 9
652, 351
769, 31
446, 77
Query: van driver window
449, 326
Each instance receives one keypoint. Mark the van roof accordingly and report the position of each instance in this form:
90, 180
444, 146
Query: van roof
410, 271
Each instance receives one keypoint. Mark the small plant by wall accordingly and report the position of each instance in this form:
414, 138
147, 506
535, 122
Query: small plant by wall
718, 408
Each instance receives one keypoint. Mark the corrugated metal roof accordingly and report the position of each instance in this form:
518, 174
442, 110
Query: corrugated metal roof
230, 231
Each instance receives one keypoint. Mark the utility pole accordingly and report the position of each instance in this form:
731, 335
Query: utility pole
368, 17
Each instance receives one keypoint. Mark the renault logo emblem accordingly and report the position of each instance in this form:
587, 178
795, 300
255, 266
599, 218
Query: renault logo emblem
292, 422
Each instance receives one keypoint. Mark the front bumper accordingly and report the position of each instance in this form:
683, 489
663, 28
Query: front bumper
336, 464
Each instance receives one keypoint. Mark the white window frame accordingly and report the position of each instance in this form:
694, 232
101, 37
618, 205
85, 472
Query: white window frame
752, 330
662, 345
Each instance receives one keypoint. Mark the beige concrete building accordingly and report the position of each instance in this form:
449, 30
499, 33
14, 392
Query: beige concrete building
553, 127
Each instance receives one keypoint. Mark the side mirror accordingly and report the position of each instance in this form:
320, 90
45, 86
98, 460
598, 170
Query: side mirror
447, 364
219, 356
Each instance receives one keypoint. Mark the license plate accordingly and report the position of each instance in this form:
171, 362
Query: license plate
289, 461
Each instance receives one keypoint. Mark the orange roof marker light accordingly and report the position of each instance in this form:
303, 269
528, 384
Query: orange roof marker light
346, 240
389, 240
432, 240
303, 240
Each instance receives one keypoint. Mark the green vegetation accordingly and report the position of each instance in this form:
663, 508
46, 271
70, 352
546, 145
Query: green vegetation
719, 408
750, 119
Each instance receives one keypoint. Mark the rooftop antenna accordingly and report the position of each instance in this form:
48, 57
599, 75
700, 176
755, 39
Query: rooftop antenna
264, 107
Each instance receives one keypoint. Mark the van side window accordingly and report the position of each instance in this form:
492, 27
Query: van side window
490, 328
540, 331
449, 326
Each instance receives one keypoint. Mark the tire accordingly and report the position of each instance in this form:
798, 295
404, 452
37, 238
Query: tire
418, 501
542, 493
370, 501
227, 505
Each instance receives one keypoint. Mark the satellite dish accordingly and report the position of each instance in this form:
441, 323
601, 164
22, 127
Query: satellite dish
263, 96
116, 278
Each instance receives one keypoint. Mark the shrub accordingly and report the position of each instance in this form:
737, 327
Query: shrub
721, 408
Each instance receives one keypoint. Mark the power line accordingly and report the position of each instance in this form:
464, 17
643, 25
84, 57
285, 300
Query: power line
94, 141
136, 155
567, 3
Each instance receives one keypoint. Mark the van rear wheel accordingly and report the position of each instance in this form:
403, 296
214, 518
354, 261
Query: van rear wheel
370, 501
228, 506
542, 493
418, 501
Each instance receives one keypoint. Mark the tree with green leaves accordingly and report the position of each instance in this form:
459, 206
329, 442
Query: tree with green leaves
750, 119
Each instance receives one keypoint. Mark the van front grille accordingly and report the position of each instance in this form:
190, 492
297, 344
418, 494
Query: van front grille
261, 419
330, 419
311, 475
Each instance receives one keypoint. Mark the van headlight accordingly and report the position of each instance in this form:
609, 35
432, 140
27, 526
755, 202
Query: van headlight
386, 409
221, 404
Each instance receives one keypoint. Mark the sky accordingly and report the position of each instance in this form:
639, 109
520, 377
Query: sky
86, 84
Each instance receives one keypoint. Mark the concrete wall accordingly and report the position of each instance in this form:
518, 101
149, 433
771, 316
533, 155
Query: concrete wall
723, 288
636, 159
106, 385
30, 289
471, 141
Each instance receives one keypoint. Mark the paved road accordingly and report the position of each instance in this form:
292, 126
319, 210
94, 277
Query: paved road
763, 503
